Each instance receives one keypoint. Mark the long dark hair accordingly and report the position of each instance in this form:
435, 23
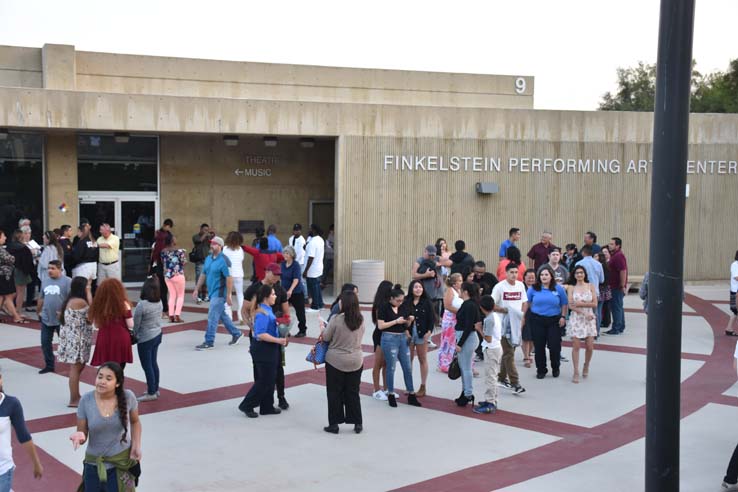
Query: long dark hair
513, 254
573, 280
380, 297
54, 241
263, 292
539, 285
77, 290
408, 303
344, 288
472, 289
120, 393
351, 311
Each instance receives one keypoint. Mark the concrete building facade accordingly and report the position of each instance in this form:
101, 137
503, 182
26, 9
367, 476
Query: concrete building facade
392, 157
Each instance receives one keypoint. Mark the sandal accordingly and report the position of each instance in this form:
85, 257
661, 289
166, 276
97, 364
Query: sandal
731, 333
21, 321
585, 371
527, 362
575, 378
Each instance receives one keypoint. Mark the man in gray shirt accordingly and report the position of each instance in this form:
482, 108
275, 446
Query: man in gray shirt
54, 291
561, 274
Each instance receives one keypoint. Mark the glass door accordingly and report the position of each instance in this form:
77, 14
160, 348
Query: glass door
133, 217
138, 225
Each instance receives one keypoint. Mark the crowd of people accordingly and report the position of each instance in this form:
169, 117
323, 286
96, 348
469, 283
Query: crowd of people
481, 318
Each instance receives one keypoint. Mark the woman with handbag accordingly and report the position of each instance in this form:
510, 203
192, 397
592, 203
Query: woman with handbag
468, 319
266, 355
107, 420
110, 312
344, 363
147, 330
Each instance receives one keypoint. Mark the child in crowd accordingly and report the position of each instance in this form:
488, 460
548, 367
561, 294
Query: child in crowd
492, 346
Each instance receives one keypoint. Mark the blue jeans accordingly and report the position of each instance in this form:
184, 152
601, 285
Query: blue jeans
217, 312
147, 353
465, 362
314, 291
92, 482
6, 480
394, 346
616, 308
47, 337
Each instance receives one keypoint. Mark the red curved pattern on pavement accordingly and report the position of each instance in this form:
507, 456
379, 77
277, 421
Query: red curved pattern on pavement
575, 445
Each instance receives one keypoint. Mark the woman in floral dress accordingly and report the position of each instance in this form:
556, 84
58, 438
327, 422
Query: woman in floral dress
451, 303
75, 335
582, 319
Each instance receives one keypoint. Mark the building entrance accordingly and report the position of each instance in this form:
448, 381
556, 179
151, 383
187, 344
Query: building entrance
133, 217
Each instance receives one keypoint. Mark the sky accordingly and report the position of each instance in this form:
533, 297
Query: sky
572, 48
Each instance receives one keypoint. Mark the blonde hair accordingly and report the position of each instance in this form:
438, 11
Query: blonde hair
453, 278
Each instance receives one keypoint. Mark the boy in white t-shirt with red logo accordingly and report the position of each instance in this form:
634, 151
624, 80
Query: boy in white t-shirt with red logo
511, 301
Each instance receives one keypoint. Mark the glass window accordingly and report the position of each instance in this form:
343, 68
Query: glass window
106, 164
21, 182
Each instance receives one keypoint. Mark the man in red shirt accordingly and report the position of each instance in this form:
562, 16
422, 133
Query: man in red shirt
261, 260
618, 281
540, 251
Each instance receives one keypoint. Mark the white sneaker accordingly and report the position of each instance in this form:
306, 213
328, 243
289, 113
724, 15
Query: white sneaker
431, 344
311, 310
148, 397
380, 395
729, 486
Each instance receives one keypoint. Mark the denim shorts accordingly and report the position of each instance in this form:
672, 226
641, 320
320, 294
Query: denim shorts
416, 339
6, 480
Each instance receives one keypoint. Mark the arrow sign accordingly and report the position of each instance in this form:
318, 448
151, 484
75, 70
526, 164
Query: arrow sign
238, 172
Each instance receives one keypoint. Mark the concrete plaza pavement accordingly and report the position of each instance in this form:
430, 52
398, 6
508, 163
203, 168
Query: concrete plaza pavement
555, 436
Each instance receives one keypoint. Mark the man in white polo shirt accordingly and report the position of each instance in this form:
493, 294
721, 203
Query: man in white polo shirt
314, 251
108, 265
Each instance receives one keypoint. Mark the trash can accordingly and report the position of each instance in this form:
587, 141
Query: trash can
367, 275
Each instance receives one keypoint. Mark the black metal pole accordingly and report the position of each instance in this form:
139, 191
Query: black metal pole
666, 264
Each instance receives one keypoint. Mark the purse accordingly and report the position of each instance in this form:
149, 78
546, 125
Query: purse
134, 338
454, 370
317, 353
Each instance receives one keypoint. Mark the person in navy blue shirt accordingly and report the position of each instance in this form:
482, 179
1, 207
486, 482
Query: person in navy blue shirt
266, 356
11, 415
548, 304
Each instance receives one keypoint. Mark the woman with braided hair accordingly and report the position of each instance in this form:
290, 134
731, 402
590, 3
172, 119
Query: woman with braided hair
107, 420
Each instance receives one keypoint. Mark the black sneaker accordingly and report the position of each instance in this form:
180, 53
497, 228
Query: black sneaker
555, 373
204, 346
283, 403
250, 413
518, 389
505, 384
413, 401
46, 370
333, 429
301, 334
391, 399
273, 411
235, 339
540, 375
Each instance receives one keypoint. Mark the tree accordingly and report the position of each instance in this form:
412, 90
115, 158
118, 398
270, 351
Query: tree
713, 93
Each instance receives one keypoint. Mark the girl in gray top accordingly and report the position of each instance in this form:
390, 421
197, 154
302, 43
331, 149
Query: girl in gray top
147, 327
107, 420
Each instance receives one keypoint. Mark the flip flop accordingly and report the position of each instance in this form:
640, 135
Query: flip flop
22, 321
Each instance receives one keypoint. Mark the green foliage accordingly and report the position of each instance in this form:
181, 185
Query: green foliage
713, 93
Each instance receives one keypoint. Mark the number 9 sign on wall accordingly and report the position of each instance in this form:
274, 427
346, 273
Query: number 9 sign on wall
520, 85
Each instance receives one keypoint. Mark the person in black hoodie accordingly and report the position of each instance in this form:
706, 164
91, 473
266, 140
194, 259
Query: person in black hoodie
461, 260
24, 267
468, 322
85, 255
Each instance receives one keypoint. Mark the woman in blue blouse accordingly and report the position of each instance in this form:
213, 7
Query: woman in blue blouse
548, 305
266, 355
